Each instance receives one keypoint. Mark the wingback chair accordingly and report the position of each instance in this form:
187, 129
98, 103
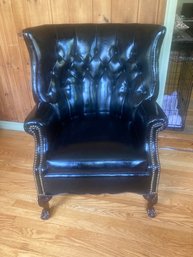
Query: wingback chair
95, 120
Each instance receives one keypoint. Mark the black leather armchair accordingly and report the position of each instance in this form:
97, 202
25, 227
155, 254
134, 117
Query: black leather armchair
96, 119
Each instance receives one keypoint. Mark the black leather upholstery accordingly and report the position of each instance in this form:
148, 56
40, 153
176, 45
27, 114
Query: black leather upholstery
96, 119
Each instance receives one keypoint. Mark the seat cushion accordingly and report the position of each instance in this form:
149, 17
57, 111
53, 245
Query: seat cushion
97, 146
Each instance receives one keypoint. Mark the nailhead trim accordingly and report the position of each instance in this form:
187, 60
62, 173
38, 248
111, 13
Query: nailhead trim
33, 130
154, 154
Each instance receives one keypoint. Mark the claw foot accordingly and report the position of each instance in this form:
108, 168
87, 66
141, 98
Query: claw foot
45, 215
43, 201
152, 199
151, 213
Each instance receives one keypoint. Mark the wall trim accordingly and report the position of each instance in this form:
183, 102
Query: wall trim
165, 51
11, 125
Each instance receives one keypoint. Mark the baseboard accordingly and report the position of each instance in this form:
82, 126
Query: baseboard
11, 125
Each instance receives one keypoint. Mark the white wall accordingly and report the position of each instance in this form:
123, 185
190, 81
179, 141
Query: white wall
165, 51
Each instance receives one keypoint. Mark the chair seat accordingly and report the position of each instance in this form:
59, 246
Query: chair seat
105, 148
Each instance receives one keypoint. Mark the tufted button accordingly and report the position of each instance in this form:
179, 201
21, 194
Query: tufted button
87, 68
96, 51
144, 91
52, 73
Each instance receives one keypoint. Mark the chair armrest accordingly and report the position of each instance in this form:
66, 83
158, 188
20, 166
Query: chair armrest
148, 120
43, 123
43, 116
148, 116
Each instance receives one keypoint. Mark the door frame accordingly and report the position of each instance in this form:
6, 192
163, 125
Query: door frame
166, 47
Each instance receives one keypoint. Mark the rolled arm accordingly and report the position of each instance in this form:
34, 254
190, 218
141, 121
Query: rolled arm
148, 116
149, 119
43, 123
44, 116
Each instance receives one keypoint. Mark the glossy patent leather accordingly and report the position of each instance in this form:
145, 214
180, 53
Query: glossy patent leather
96, 119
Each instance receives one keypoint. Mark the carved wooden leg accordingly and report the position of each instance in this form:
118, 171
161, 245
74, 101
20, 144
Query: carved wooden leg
152, 199
43, 201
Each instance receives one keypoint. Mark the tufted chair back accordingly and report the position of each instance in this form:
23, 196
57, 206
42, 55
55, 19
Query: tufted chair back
103, 69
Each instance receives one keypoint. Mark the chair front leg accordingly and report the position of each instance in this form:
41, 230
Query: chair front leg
154, 165
152, 199
43, 201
